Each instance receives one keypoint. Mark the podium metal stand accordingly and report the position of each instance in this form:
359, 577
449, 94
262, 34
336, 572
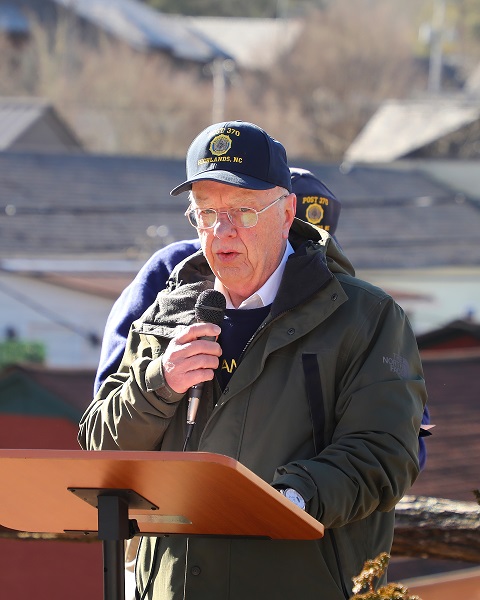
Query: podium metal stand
119, 494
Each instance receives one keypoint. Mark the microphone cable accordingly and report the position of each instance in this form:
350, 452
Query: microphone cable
152, 570
209, 308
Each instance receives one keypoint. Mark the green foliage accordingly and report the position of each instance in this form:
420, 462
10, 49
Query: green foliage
374, 569
14, 351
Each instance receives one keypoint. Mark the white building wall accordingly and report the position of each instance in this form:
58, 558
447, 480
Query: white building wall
448, 293
59, 318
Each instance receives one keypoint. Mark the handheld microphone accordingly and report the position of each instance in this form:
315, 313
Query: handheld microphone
209, 308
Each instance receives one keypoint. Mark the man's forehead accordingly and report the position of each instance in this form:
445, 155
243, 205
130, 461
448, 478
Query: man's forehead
208, 192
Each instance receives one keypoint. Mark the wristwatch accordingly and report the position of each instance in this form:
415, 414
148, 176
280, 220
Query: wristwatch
294, 497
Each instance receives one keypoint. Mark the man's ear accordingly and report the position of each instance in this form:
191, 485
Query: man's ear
290, 209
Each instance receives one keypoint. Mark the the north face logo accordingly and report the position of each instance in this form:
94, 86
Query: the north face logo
398, 364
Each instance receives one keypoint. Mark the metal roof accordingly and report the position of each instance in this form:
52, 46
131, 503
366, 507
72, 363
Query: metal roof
250, 43
143, 27
254, 44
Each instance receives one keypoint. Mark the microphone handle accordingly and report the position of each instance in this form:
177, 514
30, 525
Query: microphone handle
193, 402
195, 392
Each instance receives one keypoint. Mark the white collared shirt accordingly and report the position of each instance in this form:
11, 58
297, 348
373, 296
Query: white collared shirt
266, 294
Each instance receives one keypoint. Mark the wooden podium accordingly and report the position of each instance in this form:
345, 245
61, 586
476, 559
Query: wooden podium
120, 494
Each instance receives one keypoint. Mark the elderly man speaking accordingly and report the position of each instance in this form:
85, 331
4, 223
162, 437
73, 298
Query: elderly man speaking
311, 379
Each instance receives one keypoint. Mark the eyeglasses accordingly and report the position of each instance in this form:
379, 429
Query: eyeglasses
206, 218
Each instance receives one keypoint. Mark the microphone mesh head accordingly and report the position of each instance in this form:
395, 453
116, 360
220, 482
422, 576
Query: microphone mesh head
210, 307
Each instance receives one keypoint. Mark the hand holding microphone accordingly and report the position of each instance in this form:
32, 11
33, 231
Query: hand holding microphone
209, 308
191, 358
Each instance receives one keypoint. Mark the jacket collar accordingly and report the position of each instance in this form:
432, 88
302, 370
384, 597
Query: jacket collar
315, 251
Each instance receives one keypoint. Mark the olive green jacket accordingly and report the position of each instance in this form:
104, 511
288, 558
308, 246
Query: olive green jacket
327, 398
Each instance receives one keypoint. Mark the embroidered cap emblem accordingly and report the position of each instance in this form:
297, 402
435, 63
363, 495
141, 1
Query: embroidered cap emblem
220, 144
314, 213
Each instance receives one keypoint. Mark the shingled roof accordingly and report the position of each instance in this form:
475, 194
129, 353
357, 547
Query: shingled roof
119, 207
60, 205
33, 124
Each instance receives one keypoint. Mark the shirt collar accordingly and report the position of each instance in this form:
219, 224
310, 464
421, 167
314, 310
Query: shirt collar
266, 294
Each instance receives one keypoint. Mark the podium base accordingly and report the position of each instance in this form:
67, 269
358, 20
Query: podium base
114, 527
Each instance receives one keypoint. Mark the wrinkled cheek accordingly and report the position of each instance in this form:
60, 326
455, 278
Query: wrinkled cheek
206, 247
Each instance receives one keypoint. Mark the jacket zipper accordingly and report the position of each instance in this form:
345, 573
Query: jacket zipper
339, 562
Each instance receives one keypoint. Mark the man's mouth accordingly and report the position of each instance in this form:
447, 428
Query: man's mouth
227, 255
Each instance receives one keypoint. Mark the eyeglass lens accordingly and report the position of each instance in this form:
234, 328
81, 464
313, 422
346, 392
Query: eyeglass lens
239, 217
205, 218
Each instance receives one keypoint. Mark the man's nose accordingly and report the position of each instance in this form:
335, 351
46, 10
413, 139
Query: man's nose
223, 226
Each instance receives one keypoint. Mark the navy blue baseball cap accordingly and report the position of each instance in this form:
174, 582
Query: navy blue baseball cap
236, 153
316, 204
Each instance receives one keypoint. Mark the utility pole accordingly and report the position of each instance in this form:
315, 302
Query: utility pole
436, 47
282, 9
222, 69
219, 85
